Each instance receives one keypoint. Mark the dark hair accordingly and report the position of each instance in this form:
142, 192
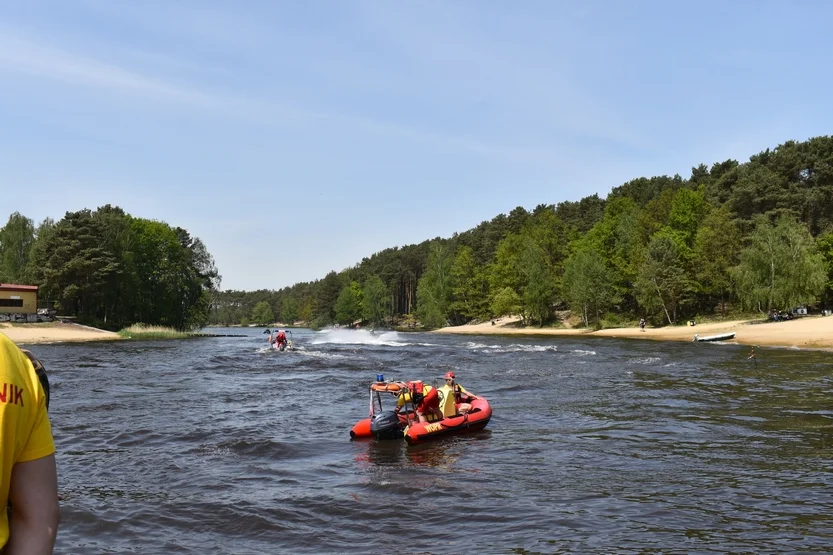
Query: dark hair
41, 372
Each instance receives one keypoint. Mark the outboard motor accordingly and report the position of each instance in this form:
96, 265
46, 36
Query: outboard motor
386, 425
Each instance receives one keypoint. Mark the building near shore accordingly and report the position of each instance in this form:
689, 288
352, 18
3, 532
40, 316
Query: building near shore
18, 302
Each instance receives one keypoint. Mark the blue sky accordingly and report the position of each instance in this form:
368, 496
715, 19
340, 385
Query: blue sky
295, 138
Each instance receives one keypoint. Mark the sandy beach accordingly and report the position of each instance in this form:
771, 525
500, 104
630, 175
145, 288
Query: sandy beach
810, 332
54, 332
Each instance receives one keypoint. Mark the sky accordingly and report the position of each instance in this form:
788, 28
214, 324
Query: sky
296, 138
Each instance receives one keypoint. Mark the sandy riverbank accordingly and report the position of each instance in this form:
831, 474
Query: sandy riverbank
54, 332
811, 332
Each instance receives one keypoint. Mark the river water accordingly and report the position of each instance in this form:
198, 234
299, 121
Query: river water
217, 445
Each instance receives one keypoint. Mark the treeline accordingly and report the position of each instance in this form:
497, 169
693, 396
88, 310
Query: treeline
752, 236
110, 269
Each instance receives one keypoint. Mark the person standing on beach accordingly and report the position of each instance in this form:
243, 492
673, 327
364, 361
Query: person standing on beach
642, 324
28, 474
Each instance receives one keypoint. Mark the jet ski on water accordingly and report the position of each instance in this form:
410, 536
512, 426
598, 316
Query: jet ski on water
278, 339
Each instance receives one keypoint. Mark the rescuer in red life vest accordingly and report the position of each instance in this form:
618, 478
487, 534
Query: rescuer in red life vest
280, 340
425, 399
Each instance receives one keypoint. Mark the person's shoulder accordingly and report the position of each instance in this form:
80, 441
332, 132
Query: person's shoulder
10, 352
5, 342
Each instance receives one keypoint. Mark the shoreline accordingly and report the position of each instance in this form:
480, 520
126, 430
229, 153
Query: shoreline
809, 332
55, 332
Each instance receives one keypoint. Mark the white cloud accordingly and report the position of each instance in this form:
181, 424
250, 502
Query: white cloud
31, 56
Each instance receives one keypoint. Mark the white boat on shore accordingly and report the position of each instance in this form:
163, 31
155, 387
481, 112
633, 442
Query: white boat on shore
718, 337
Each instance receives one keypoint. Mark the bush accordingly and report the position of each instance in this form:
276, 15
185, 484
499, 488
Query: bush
319, 323
143, 331
612, 320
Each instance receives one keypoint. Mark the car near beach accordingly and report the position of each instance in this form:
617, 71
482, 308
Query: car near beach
46, 314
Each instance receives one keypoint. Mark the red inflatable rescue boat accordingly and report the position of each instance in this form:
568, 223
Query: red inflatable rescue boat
388, 424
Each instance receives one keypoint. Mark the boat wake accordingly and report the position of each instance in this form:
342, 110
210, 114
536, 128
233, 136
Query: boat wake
300, 351
358, 337
513, 348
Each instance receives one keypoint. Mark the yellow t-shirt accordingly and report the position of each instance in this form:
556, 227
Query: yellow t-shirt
25, 432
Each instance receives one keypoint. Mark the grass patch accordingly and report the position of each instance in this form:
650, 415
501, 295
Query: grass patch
732, 316
143, 331
615, 320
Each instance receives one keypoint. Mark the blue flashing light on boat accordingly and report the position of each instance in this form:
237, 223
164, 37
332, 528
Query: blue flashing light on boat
380, 377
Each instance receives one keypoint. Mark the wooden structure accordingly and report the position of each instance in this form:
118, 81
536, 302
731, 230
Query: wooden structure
18, 302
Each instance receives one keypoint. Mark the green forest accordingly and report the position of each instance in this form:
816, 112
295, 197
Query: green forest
111, 270
750, 237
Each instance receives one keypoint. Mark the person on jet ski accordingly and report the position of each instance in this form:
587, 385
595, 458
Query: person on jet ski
280, 340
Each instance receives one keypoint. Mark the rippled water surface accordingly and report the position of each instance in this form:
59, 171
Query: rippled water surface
216, 445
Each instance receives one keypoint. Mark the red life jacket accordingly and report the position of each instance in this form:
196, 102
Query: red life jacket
417, 390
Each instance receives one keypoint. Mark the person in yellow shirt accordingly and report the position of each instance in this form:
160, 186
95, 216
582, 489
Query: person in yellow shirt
28, 475
455, 399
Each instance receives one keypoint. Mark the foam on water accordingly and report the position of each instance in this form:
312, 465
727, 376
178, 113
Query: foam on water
511, 348
322, 355
646, 360
358, 337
